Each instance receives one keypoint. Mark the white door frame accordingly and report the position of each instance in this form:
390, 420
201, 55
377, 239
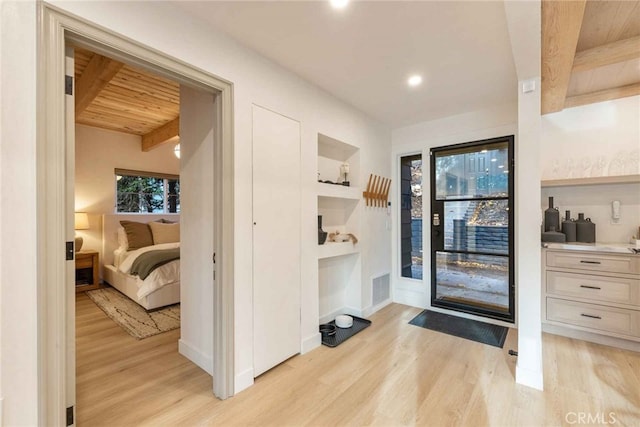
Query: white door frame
55, 29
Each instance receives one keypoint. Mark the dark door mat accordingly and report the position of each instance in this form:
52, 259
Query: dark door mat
473, 330
343, 334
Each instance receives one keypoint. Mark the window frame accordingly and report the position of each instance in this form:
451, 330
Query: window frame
401, 157
165, 177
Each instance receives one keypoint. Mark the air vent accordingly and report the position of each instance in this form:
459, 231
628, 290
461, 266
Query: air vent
380, 289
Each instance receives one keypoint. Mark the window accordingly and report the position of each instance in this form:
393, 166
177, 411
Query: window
147, 192
411, 216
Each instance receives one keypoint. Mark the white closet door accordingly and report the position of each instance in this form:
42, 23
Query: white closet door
276, 239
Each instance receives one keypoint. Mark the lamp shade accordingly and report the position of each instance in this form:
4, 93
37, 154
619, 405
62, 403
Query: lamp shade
81, 221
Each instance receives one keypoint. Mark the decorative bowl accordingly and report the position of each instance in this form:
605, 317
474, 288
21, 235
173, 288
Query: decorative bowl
344, 321
328, 330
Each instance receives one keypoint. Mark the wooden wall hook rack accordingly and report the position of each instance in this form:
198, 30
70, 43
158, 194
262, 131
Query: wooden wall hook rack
377, 192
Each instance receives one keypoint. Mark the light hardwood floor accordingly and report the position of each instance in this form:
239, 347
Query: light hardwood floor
391, 374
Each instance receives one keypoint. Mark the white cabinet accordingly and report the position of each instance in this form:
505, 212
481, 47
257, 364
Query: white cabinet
592, 292
339, 264
276, 239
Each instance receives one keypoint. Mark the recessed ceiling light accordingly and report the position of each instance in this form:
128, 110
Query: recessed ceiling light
414, 80
339, 4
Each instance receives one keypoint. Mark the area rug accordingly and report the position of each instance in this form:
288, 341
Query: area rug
473, 330
134, 319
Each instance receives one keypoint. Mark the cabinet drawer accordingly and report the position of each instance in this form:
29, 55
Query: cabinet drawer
597, 288
84, 263
596, 317
594, 262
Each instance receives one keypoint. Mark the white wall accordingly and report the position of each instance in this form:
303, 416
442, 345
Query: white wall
256, 80
18, 326
592, 140
600, 139
98, 153
197, 228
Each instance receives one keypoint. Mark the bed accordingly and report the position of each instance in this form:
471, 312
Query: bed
162, 286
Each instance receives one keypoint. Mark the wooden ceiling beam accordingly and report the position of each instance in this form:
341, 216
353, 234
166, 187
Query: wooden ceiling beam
603, 95
98, 73
161, 135
619, 51
561, 23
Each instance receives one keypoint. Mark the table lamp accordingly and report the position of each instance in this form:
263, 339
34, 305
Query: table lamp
81, 223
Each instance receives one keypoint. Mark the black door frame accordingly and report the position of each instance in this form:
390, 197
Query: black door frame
437, 231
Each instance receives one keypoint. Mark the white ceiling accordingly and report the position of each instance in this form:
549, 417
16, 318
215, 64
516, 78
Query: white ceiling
365, 53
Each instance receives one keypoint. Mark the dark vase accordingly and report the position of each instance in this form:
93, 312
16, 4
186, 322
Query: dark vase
322, 235
551, 217
585, 230
569, 227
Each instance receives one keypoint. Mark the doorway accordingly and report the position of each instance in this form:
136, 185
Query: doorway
54, 196
472, 199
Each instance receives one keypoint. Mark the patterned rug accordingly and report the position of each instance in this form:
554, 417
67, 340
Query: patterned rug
134, 319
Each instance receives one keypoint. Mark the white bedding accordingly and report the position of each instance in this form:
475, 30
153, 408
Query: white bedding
164, 275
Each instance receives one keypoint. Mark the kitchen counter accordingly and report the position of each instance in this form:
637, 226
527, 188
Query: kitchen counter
624, 248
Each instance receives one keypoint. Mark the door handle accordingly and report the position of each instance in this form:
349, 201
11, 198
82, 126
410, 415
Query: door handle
436, 220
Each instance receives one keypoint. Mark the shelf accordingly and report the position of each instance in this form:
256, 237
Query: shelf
600, 180
332, 154
334, 249
338, 191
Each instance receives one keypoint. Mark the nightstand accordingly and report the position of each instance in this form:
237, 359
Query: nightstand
87, 271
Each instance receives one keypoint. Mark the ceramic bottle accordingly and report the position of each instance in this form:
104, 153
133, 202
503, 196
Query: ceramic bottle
585, 230
551, 217
569, 227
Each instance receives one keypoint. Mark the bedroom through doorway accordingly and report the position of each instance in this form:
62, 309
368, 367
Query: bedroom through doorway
139, 316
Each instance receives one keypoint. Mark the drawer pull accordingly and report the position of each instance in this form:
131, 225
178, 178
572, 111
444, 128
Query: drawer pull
590, 262
591, 316
589, 287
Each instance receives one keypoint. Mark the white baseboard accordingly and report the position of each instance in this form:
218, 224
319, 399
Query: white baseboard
370, 310
529, 378
243, 380
410, 298
332, 315
312, 342
196, 356
591, 337
352, 311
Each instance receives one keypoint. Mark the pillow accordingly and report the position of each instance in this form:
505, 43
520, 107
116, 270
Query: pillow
138, 234
165, 233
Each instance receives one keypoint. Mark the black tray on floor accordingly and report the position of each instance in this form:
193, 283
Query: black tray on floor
343, 334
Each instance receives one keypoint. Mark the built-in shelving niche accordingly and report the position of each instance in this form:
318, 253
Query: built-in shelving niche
332, 153
339, 264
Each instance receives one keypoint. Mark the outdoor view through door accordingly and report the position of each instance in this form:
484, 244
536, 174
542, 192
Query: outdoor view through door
411, 216
472, 228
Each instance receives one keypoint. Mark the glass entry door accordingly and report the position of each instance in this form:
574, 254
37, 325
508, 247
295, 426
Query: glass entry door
472, 228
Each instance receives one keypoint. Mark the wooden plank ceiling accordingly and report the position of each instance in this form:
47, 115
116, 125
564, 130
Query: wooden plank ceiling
590, 52
115, 96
